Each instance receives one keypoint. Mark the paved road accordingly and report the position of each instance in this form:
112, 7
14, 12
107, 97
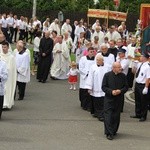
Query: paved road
50, 119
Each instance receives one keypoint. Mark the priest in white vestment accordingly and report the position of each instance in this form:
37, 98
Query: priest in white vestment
10, 85
66, 27
54, 26
98, 33
112, 34
60, 65
3, 39
3, 79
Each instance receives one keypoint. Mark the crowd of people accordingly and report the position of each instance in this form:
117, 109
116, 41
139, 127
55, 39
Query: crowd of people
109, 62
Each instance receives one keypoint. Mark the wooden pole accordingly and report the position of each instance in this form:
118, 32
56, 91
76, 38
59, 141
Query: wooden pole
88, 21
107, 18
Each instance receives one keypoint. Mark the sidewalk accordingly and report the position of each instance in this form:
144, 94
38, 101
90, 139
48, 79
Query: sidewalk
130, 95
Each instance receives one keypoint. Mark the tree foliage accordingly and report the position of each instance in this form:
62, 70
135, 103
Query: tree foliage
132, 6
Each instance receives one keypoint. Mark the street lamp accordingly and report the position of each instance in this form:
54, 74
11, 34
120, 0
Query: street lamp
34, 8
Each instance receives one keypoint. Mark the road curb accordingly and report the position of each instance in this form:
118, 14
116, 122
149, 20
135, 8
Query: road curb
128, 96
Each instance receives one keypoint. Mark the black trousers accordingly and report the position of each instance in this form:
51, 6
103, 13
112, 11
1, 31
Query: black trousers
130, 78
97, 106
22, 34
1, 104
5, 32
148, 97
141, 101
31, 36
43, 69
85, 99
15, 34
11, 29
26, 36
21, 89
112, 111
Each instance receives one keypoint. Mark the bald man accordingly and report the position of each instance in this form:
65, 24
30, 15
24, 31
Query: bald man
23, 69
45, 57
114, 85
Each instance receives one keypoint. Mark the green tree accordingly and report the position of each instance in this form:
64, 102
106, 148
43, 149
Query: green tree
83, 5
133, 6
105, 4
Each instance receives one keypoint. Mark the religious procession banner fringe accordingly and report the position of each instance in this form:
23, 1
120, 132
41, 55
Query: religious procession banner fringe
97, 13
100, 13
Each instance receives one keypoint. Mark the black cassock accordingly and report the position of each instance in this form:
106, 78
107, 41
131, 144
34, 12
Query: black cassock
113, 104
46, 46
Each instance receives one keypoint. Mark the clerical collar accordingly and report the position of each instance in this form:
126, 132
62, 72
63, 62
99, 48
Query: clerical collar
21, 52
120, 47
90, 58
133, 45
115, 73
112, 48
99, 65
105, 55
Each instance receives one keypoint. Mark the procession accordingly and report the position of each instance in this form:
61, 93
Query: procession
99, 64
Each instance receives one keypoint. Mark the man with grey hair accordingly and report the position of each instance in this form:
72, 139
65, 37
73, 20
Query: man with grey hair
45, 57
54, 26
108, 58
98, 33
66, 27
94, 84
112, 34
114, 85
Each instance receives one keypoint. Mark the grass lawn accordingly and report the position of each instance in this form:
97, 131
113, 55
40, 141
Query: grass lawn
31, 53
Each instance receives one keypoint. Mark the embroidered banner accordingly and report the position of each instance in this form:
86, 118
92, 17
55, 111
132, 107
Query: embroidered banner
100, 13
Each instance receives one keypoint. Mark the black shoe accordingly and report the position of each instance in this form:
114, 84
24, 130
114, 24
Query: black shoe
110, 137
95, 116
88, 109
53, 78
115, 134
134, 116
142, 119
43, 81
40, 81
20, 98
101, 119
84, 108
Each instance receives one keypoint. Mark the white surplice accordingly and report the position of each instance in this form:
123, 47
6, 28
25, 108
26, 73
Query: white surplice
54, 27
124, 64
108, 61
84, 67
10, 85
94, 80
23, 67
